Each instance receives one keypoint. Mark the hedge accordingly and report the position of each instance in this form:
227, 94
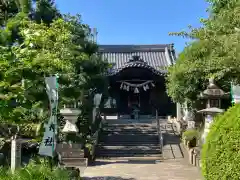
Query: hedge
190, 134
221, 151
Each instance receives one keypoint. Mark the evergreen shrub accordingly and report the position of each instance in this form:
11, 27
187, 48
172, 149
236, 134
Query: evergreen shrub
221, 151
36, 172
190, 134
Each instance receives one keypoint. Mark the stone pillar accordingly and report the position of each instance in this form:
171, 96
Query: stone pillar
190, 153
208, 121
189, 117
179, 113
94, 113
15, 153
185, 112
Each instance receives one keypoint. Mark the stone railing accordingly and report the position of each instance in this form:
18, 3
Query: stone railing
90, 152
193, 153
95, 140
194, 156
180, 125
160, 136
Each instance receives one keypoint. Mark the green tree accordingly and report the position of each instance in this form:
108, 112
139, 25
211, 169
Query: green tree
35, 43
212, 53
37, 10
64, 47
8, 9
45, 11
44, 51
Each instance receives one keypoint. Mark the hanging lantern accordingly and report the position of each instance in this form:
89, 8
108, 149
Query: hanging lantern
136, 90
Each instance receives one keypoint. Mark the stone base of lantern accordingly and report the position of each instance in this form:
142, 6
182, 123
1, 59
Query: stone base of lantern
70, 115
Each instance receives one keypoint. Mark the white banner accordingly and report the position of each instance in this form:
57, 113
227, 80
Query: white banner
48, 144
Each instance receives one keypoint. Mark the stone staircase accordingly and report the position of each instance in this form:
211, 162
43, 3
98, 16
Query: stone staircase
122, 139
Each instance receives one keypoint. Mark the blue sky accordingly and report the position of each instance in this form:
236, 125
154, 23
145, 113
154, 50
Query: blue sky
138, 21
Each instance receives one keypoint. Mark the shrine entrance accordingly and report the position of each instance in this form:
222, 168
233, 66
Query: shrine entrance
139, 91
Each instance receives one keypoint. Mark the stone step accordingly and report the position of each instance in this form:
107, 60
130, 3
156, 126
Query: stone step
130, 121
74, 161
132, 159
107, 147
129, 125
129, 143
104, 150
130, 132
126, 125
130, 155
153, 133
131, 135
128, 138
129, 129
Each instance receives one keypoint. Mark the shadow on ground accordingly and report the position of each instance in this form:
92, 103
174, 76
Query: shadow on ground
107, 178
171, 139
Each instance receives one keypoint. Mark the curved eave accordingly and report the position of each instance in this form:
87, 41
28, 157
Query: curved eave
136, 65
221, 96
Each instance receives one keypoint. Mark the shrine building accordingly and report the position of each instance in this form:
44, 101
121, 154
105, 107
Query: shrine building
137, 79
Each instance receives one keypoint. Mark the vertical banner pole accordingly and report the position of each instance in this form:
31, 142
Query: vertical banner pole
48, 145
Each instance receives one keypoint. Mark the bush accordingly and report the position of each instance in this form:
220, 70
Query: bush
190, 134
29, 130
36, 172
221, 151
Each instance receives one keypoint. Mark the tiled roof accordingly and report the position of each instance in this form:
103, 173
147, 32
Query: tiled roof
156, 57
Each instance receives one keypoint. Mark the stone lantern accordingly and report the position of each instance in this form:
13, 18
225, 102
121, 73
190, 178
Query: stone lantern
213, 94
70, 114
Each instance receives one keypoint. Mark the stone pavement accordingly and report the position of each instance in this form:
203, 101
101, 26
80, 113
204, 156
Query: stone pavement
166, 170
172, 148
174, 165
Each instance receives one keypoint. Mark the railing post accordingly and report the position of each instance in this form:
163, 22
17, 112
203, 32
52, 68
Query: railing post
158, 124
159, 132
161, 138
